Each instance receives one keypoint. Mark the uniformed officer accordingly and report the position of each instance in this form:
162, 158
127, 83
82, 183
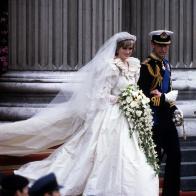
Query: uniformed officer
155, 81
14, 185
45, 186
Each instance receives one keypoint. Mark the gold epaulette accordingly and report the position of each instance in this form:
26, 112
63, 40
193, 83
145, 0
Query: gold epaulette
146, 61
153, 73
156, 74
155, 100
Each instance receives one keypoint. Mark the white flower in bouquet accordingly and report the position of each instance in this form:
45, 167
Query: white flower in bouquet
138, 113
124, 93
145, 101
129, 109
128, 100
133, 104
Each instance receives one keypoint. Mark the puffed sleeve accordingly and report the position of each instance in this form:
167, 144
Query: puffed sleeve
111, 78
134, 64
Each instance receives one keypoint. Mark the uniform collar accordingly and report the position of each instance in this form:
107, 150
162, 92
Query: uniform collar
155, 57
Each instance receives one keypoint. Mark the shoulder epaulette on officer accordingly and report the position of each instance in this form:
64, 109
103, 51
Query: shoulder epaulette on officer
155, 73
146, 61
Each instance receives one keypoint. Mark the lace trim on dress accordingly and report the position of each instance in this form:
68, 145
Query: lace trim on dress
129, 68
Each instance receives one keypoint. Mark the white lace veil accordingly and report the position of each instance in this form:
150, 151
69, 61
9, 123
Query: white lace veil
85, 99
55, 124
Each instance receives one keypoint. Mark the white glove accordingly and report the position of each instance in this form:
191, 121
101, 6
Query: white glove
171, 96
178, 117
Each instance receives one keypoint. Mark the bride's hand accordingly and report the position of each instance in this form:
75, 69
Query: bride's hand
113, 99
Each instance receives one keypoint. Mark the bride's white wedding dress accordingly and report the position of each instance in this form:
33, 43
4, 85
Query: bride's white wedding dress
100, 158
97, 156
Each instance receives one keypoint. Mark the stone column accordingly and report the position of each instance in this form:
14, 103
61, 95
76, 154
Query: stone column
142, 16
3, 36
59, 34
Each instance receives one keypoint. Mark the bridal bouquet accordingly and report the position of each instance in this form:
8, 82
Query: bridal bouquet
136, 108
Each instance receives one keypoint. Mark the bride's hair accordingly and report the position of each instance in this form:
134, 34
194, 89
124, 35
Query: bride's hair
125, 44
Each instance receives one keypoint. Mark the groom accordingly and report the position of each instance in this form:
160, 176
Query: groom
155, 81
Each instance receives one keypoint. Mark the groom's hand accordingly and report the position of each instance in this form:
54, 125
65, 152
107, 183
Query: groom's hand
171, 96
156, 93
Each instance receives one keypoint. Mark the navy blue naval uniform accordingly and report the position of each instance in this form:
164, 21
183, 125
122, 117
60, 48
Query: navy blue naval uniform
156, 74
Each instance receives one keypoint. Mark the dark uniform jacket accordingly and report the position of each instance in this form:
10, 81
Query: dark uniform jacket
156, 74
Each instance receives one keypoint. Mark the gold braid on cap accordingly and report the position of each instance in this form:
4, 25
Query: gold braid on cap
156, 75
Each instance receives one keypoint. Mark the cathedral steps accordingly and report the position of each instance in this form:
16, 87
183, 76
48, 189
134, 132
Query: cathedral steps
186, 194
24, 93
10, 163
188, 164
11, 160
182, 193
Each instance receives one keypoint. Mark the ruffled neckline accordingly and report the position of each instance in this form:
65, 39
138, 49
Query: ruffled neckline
128, 66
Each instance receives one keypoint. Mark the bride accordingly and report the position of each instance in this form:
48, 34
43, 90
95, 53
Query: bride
98, 157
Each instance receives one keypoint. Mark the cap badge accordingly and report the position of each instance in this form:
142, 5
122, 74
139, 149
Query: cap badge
163, 35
